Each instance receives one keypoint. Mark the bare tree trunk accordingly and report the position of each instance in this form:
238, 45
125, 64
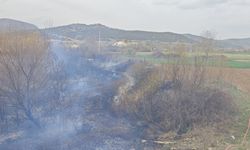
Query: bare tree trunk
32, 118
25, 67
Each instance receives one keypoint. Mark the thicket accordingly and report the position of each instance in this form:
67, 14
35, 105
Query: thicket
176, 96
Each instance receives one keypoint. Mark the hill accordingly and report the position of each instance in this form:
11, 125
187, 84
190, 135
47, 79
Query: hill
83, 31
92, 31
15, 25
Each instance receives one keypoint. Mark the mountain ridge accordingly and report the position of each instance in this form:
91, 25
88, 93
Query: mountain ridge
80, 31
114, 33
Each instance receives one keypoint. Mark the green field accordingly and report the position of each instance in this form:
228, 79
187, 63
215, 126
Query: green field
233, 59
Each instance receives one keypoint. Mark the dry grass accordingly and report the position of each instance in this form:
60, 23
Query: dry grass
240, 78
216, 137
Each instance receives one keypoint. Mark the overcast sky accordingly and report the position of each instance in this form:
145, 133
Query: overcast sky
228, 18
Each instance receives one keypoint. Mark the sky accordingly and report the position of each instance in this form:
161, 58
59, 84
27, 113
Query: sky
227, 18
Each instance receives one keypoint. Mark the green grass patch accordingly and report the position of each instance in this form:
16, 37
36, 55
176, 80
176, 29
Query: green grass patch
238, 64
233, 60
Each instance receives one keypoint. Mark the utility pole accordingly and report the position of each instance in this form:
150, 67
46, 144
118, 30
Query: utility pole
99, 42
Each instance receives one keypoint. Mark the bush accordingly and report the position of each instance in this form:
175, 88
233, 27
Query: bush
174, 98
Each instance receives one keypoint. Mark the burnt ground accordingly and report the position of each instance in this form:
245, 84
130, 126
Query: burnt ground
86, 123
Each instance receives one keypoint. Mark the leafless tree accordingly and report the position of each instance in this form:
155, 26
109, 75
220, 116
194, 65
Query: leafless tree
25, 67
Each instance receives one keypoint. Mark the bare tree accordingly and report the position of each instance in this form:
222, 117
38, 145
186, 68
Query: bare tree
25, 71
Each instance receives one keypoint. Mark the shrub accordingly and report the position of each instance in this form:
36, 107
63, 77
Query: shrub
174, 97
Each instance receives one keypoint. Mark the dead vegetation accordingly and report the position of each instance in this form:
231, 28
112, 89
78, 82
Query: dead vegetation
175, 103
27, 77
176, 97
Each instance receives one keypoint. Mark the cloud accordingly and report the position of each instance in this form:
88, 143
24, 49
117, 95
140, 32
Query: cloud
3, 1
199, 4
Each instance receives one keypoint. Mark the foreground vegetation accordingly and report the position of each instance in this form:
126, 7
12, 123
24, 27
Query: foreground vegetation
179, 99
30, 77
192, 100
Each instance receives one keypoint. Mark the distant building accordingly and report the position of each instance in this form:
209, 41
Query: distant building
120, 44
